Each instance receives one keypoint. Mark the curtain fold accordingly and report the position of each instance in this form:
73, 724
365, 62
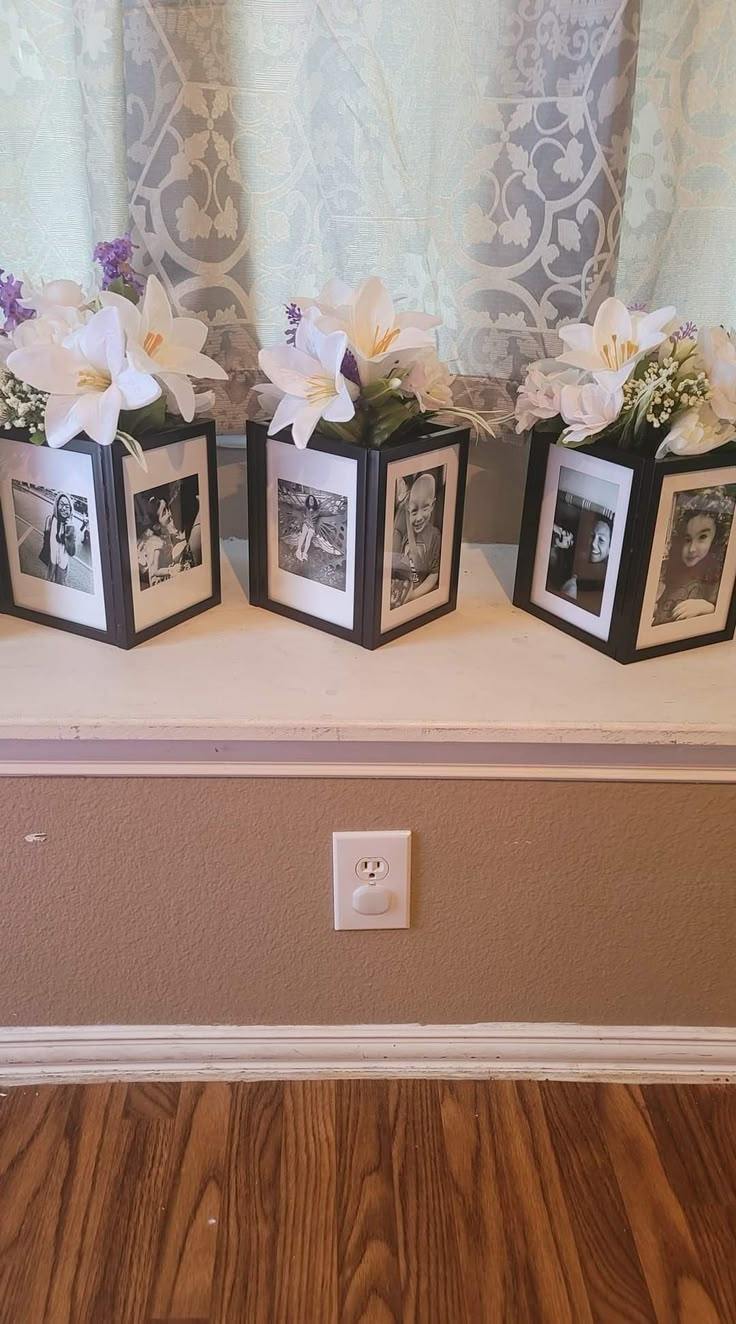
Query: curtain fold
472, 152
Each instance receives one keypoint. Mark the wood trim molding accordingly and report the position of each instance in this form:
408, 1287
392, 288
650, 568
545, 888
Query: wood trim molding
88, 1053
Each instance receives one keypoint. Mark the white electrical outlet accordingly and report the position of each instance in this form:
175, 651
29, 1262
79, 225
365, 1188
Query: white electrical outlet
371, 875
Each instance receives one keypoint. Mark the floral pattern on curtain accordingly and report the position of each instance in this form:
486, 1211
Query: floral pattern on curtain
472, 153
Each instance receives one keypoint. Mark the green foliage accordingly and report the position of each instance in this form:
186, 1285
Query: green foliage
121, 286
148, 419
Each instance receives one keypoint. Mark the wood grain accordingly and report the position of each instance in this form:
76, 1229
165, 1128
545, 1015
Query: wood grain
183, 1277
368, 1202
664, 1240
369, 1287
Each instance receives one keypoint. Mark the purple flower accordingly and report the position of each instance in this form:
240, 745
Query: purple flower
688, 331
638, 307
13, 311
349, 368
114, 256
293, 317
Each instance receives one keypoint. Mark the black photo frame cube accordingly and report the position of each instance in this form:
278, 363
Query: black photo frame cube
327, 530
93, 544
634, 556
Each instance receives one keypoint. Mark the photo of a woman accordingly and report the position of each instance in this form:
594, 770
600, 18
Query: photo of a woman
167, 529
59, 540
690, 577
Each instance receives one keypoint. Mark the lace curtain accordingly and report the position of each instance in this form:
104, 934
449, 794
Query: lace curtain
472, 152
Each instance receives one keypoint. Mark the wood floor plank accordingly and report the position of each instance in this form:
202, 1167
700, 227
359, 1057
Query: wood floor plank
306, 1251
125, 1247
152, 1101
477, 1211
85, 1153
369, 1284
244, 1280
32, 1125
431, 1282
184, 1272
667, 1251
695, 1130
616, 1287
544, 1279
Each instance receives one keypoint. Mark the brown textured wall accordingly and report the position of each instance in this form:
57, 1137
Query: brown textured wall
165, 900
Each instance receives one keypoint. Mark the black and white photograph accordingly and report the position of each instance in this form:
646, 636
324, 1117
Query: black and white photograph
691, 571
572, 542
52, 532
419, 500
168, 531
312, 533
581, 539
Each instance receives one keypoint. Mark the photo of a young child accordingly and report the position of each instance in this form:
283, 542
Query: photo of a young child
692, 566
417, 535
581, 539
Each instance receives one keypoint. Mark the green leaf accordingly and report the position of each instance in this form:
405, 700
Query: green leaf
133, 447
121, 286
149, 418
38, 438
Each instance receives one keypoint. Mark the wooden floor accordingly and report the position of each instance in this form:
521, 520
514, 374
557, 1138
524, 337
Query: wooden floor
340, 1203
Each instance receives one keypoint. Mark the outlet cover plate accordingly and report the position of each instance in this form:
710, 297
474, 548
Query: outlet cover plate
348, 848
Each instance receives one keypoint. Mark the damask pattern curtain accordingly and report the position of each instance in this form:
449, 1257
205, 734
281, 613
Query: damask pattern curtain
472, 152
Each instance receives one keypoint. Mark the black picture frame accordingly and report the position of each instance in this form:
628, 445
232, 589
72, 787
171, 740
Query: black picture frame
372, 465
638, 548
116, 569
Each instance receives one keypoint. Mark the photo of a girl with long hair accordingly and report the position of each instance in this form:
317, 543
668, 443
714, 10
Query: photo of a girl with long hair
692, 568
168, 535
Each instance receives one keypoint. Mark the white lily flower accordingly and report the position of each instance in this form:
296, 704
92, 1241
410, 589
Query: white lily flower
587, 410
336, 298
309, 375
88, 381
718, 349
375, 330
694, 432
429, 382
51, 328
613, 345
165, 346
55, 294
539, 395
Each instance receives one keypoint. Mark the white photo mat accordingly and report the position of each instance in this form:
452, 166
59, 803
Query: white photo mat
338, 475
60, 471
449, 459
675, 631
169, 464
591, 466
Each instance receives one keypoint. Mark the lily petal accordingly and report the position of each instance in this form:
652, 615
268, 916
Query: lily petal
102, 342
128, 313
189, 332
156, 309
285, 413
60, 420
612, 322
183, 392
289, 368
341, 409
137, 389
304, 423
49, 368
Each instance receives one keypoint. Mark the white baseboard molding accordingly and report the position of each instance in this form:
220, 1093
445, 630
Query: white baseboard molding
88, 1053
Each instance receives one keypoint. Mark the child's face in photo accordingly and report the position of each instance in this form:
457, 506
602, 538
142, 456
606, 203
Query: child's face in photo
700, 531
601, 542
421, 506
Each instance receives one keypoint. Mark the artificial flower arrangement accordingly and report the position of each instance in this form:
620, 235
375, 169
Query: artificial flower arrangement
639, 381
630, 554
358, 368
361, 467
112, 364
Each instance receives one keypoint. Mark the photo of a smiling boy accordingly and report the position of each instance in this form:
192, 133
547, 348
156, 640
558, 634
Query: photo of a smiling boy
692, 569
417, 536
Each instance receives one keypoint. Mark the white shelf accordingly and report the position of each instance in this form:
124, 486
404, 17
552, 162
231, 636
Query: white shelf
488, 686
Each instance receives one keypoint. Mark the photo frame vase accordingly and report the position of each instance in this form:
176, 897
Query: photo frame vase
92, 543
634, 556
363, 543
